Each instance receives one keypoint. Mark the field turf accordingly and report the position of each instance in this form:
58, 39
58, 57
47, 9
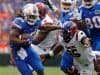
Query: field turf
10, 70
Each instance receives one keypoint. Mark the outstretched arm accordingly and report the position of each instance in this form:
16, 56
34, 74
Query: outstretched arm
53, 8
86, 42
50, 27
40, 36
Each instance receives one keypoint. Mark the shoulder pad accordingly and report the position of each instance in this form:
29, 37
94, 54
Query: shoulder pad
18, 22
81, 34
98, 3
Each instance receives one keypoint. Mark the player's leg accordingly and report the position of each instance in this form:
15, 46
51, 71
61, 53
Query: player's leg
53, 52
96, 47
97, 64
35, 62
40, 51
23, 67
67, 63
57, 48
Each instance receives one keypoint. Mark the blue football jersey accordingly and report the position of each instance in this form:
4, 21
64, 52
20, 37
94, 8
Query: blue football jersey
92, 19
66, 16
24, 56
24, 28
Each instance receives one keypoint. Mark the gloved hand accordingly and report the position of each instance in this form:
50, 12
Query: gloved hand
50, 4
77, 14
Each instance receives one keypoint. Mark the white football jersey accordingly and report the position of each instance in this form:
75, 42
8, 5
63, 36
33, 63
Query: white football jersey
86, 55
51, 37
84, 62
49, 41
45, 46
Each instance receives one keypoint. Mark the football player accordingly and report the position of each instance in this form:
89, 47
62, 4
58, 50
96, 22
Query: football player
79, 47
91, 16
64, 14
50, 40
47, 39
22, 51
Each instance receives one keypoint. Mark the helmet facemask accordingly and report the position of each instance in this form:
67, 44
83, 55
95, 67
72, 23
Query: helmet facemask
66, 36
30, 13
66, 6
31, 19
69, 31
89, 3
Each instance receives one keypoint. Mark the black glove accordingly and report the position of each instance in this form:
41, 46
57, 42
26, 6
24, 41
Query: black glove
49, 3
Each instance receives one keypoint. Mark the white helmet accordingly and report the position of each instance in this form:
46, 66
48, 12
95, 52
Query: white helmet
66, 5
89, 3
31, 14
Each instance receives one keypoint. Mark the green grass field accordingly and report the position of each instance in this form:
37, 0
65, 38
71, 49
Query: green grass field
13, 71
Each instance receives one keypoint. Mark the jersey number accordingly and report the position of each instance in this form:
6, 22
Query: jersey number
73, 51
93, 22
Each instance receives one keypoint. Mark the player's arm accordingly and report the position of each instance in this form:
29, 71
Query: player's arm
86, 42
40, 36
84, 39
58, 47
11, 57
53, 8
14, 37
80, 24
77, 17
50, 5
49, 27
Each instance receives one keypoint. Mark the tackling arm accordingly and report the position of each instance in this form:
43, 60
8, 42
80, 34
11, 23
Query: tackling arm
40, 36
86, 42
50, 27
53, 8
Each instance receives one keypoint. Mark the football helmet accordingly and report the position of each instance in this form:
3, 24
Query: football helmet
42, 9
89, 3
66, 5
30, 13
70, 28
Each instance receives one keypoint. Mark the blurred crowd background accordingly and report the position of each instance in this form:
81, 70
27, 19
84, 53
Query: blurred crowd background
9, 9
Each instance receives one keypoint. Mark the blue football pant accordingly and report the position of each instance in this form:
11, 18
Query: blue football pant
33, 59
66, 61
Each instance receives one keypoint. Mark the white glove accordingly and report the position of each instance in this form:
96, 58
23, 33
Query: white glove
76, 14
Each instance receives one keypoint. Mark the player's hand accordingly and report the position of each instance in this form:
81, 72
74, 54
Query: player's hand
12, 60
25, 39
50, 4
43, 58
77, 14
86, 42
